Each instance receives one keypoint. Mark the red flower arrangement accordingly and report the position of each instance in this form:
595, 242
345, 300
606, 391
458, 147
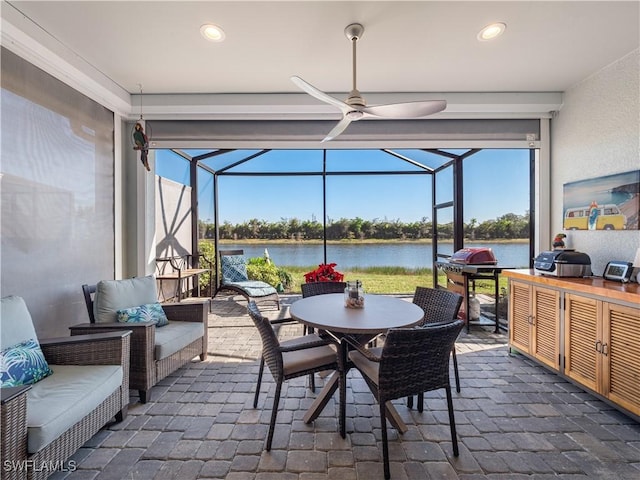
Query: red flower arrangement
324, 273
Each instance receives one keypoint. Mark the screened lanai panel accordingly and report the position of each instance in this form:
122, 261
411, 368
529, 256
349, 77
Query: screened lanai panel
424, 157
172, 166
444, 185
269, 199
280, 161
354, 211
370, 160
205, 200
223, 160
501, 210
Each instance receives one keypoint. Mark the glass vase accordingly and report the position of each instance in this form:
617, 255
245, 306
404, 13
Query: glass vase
354, 295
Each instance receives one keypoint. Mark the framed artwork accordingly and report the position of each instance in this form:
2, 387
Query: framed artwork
611, 202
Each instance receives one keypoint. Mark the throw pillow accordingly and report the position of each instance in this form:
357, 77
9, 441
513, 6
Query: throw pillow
23, 364
234, 268
150, 312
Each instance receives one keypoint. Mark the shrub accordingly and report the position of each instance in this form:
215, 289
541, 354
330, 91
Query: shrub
259, 269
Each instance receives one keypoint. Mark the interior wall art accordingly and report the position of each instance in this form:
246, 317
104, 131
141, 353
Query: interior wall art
611, 202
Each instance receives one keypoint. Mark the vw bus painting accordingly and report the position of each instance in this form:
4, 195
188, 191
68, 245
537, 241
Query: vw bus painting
604, 203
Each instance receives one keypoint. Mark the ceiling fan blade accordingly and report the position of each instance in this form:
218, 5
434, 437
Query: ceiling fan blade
406, 110
319, 94
338, 129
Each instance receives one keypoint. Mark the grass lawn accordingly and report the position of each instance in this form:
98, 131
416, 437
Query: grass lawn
389, 280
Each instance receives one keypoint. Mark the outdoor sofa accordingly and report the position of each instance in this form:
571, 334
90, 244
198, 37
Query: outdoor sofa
56, 393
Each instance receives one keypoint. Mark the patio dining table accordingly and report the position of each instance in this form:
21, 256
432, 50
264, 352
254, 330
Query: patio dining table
328, 313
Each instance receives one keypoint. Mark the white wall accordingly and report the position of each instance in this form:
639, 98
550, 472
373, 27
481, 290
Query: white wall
596, 133
172, 225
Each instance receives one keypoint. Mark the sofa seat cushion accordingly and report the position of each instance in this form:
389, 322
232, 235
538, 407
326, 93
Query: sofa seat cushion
59, 401
175, 336
254, 288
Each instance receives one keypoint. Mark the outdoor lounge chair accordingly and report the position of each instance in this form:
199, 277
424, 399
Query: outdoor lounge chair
57, 393
233, 270
156, 351
412, 361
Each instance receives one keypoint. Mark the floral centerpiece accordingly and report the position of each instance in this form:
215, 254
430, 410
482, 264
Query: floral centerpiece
324, 273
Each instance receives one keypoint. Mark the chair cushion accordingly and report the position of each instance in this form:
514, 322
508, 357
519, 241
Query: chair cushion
17, 325
255, 288
233, 268
307, 359
61, 400
366, 366
114, 295
23, 364
175, 336
151, 312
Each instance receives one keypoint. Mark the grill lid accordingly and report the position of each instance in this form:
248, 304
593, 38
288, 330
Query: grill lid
474, 256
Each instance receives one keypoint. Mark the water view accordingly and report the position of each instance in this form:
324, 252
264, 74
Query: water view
408, 255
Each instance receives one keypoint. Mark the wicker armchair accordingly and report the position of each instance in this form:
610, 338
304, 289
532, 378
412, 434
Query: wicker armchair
290, 359
154, 353
439, 305
412, 361
44, 423
233, 271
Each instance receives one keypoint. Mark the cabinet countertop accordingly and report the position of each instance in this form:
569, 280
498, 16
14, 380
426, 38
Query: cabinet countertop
626, 292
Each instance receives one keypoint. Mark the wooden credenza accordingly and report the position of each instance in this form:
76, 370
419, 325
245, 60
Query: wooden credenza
585, 329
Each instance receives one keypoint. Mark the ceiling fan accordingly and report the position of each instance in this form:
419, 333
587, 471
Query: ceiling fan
355, 108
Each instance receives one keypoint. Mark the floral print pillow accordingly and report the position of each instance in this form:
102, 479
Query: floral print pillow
151, 312
23, 364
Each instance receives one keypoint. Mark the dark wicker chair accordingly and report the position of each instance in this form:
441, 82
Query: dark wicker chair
412, 361
145, 369
290, 359
439, 305
233, 277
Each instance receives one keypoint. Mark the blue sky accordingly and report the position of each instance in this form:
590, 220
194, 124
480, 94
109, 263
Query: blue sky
496, 183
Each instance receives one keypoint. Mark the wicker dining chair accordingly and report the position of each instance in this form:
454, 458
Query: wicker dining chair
412, 361
439, 305
289, 359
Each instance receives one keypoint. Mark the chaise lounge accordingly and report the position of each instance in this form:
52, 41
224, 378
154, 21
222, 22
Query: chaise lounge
233, 268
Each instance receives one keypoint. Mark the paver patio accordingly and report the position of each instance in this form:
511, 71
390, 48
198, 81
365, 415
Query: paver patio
515, 420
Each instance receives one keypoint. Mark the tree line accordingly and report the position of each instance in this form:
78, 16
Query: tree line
508, 226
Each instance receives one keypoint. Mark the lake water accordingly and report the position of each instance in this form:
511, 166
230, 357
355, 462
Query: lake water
372, 255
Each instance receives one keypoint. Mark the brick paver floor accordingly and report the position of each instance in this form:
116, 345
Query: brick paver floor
515, 420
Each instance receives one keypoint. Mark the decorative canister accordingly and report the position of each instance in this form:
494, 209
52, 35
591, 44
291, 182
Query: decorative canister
354, 295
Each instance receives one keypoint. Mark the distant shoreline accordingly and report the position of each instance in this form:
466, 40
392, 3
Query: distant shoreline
368, 241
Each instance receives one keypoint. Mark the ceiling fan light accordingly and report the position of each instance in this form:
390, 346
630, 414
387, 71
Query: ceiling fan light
211, 32
491, 31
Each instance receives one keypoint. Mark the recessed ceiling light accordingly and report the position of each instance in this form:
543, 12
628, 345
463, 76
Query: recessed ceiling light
491, 31
211, 32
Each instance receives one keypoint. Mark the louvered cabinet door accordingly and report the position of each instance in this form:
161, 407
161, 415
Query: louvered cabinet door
546, 326
621, 362
520, 316
583, 341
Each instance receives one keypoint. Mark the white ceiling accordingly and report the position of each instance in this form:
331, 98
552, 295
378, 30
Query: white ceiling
416, 47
